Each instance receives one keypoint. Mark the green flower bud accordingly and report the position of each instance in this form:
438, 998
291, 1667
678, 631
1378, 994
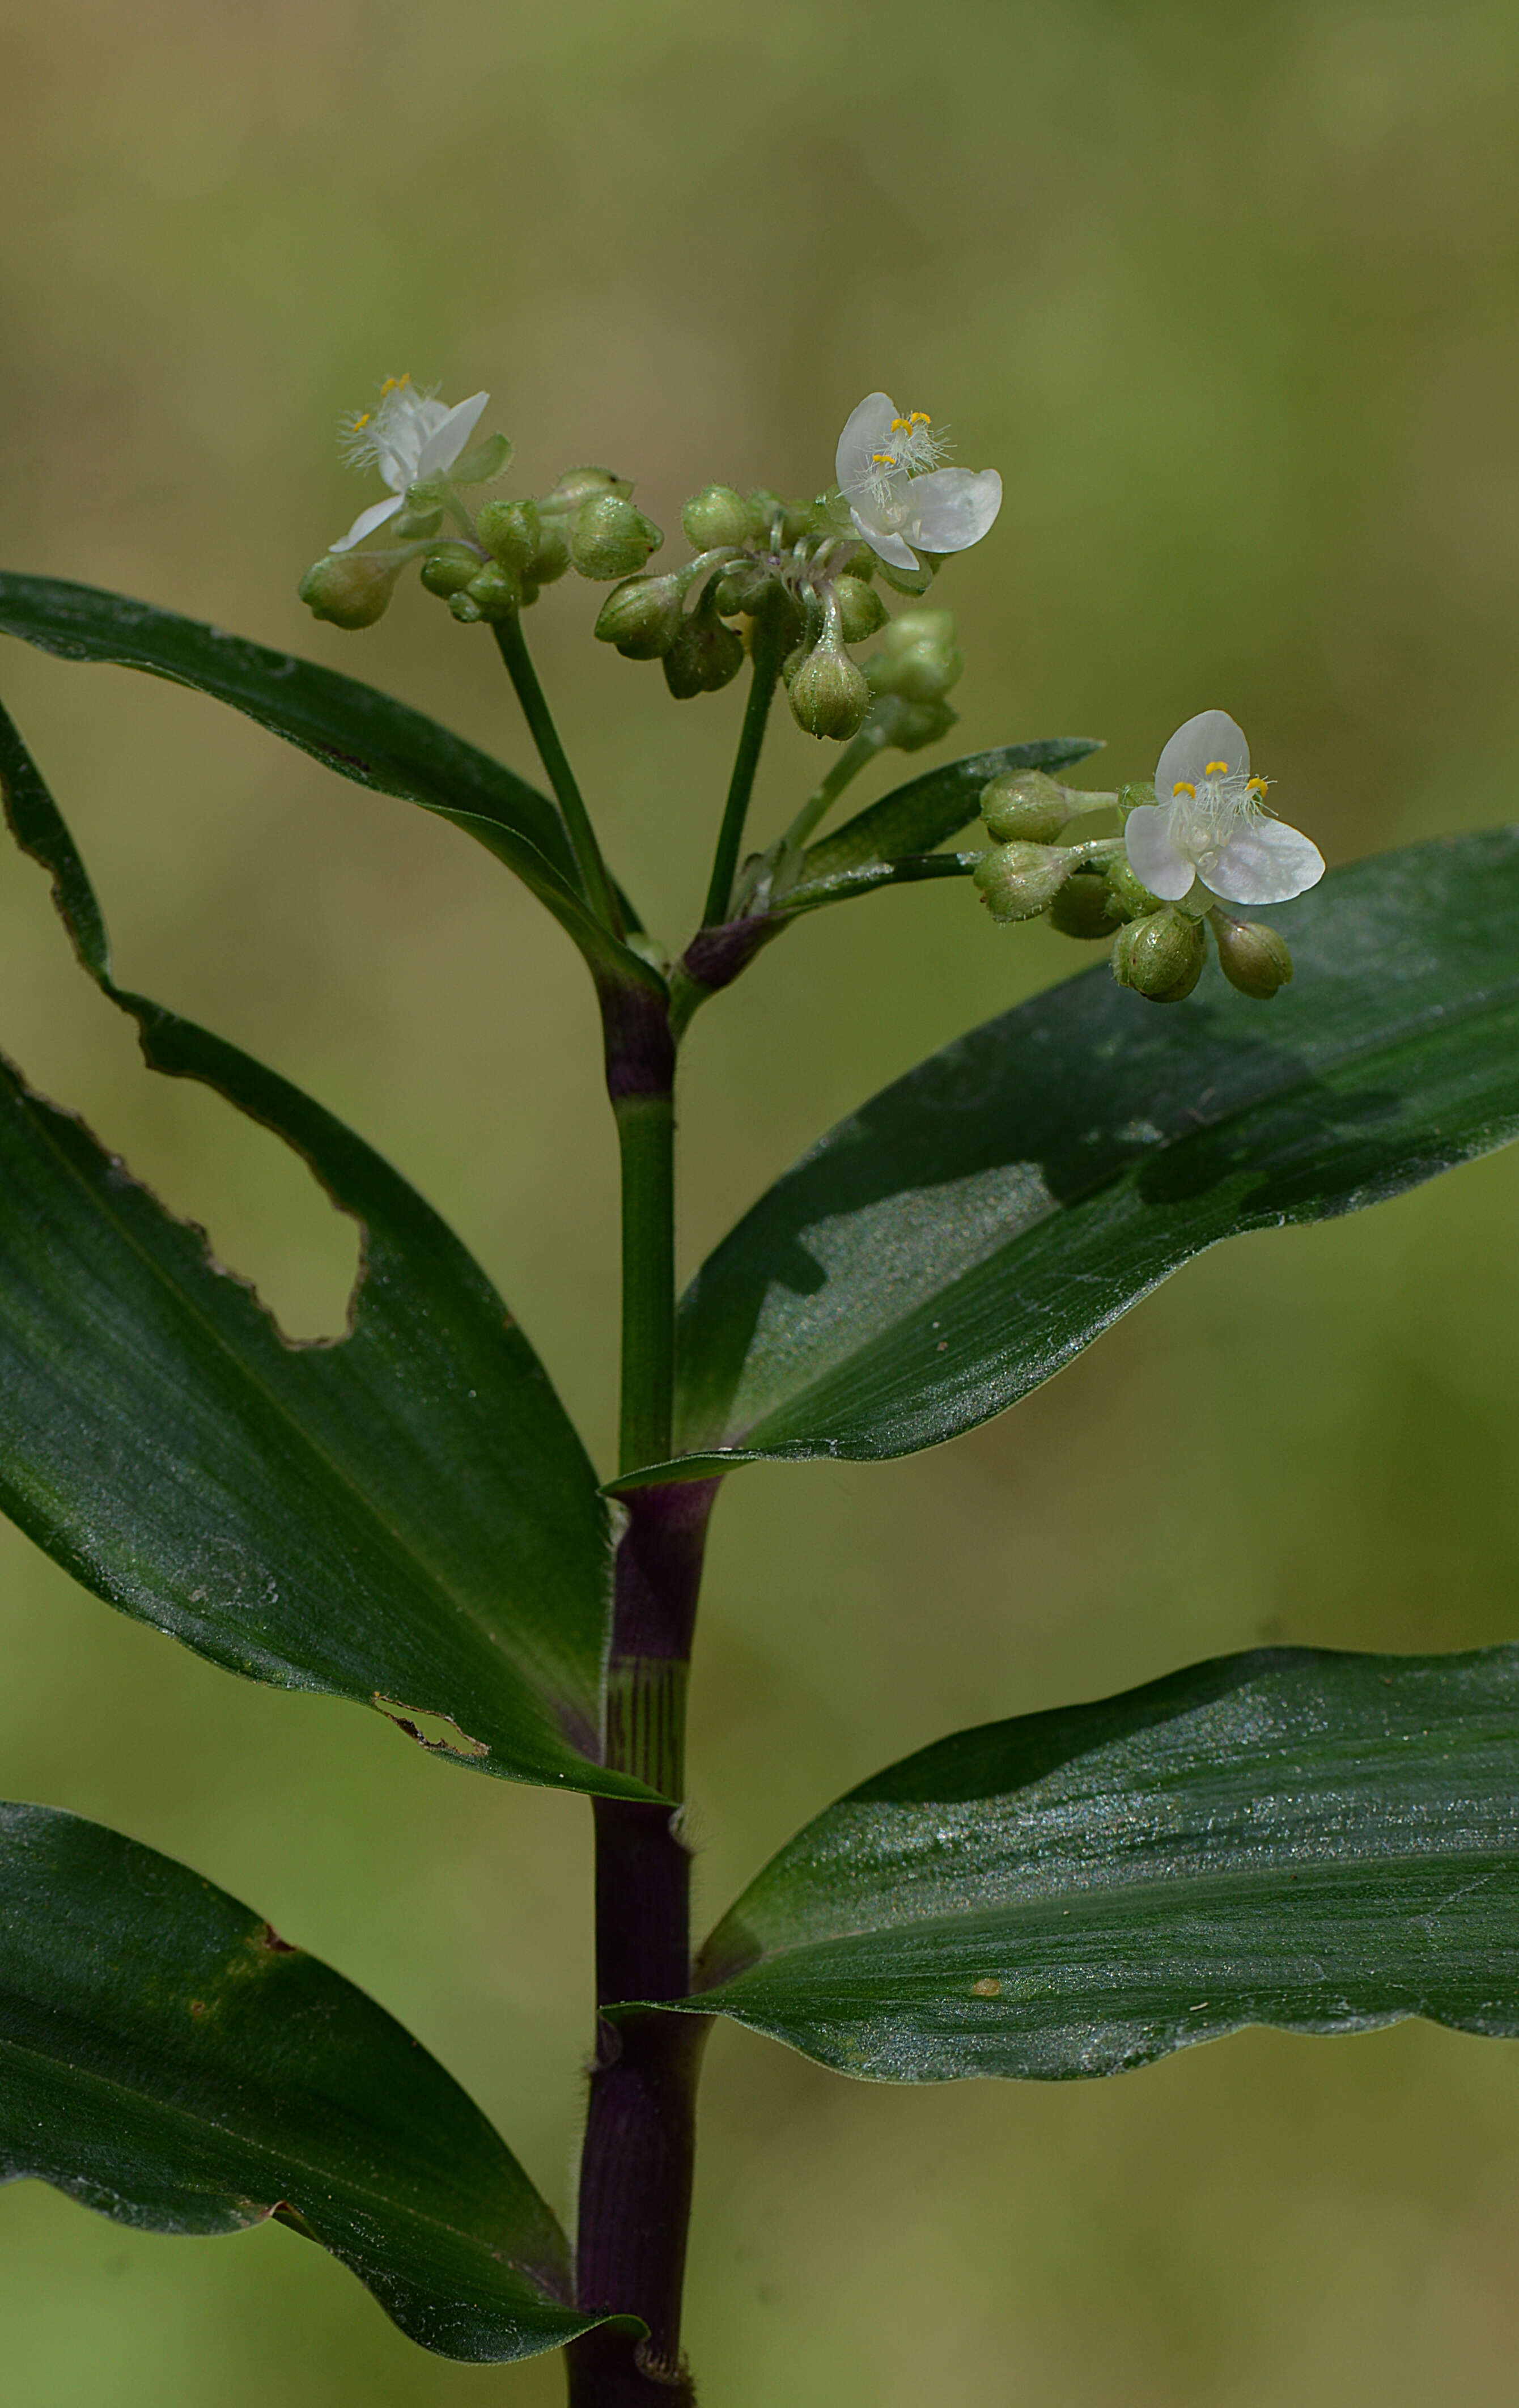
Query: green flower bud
861, 610
743, 587
908, 726
1129, 896
765, 507
576, 484
464, 608
610, 538
1138, 791
929, 626
511, 532
642, 616
1019, 879
1252, 956
828, 694
1025, 803
1162, 955
716, 515
494, 590
1081, 906
449, 570
415, 526
705, 655
551, 559
353, 589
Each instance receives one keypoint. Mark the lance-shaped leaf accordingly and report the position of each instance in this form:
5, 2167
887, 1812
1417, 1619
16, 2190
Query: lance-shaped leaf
929, 810
353, 728
969, 1230
168, 2059
405, 1516
1318, 1841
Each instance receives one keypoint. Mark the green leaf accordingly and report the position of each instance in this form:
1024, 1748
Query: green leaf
969, 1230
167, 2059
929, 810
1317, 1841
405, 1517
355, 729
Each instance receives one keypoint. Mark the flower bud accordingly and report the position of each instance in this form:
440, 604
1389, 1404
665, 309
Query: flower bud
641, 616
828, 694
464, 608
705, 655
925, 626
1138, 791
353, 589
1081, 906
743, 587
765, 507
511, 532
1023, 803
716, 515
1129, 898
551, 559
449, 570
861, 610
485, 461
917, 657
1162, 955
496, 592
577, 483
1019, 879
1252, 956
908, 726
610, 538
415, 526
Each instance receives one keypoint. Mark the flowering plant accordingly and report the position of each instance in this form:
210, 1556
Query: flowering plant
407, 1518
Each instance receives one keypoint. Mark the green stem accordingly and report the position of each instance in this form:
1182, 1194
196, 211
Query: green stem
598, 886
768, 639
645, 1135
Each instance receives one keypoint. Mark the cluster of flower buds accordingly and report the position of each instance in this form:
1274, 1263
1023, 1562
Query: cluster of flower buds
486, 564
804, 571
1196, 838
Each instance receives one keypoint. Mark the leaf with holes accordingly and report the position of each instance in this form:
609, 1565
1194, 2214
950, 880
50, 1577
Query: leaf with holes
406, 1516
1317, 1841
970, 1230
167, 2059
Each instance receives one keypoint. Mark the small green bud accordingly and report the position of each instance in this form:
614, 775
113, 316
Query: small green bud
1162, 955
828, 694
1252, 956
487, 460
705, 655
511, 532
464, 608
641, 617
551, 559
908, 726
1019, 879
1138, 791
496, 592
449, 570
927, 626
1081, 906
1025, 803
353, 589
610, 538
765, 507
1129, 898
576, 484
743, 587
716, 515
861, 610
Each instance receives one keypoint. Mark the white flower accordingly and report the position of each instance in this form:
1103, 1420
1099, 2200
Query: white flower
902, 501
407, 435
1209, 822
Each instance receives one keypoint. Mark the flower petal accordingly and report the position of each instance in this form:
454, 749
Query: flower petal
443, 444
365, 523
952, 508
1265, 862
1212, 736
886, 547
1154, 860
866, 431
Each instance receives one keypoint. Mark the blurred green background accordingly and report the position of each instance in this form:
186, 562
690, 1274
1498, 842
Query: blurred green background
1229, 295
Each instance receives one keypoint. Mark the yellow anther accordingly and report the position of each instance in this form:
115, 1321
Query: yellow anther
900, 425
394, 384
920, 418
1184, 786
1257, 785
363, 419
1216, 769
882, 460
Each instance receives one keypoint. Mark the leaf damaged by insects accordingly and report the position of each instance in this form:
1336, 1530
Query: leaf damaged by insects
439, 1733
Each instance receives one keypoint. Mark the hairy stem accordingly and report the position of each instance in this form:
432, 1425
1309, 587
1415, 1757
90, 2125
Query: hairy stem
583, 836
766, 645
638, 2156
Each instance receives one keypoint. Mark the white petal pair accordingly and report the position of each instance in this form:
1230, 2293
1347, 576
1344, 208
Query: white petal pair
411, 436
